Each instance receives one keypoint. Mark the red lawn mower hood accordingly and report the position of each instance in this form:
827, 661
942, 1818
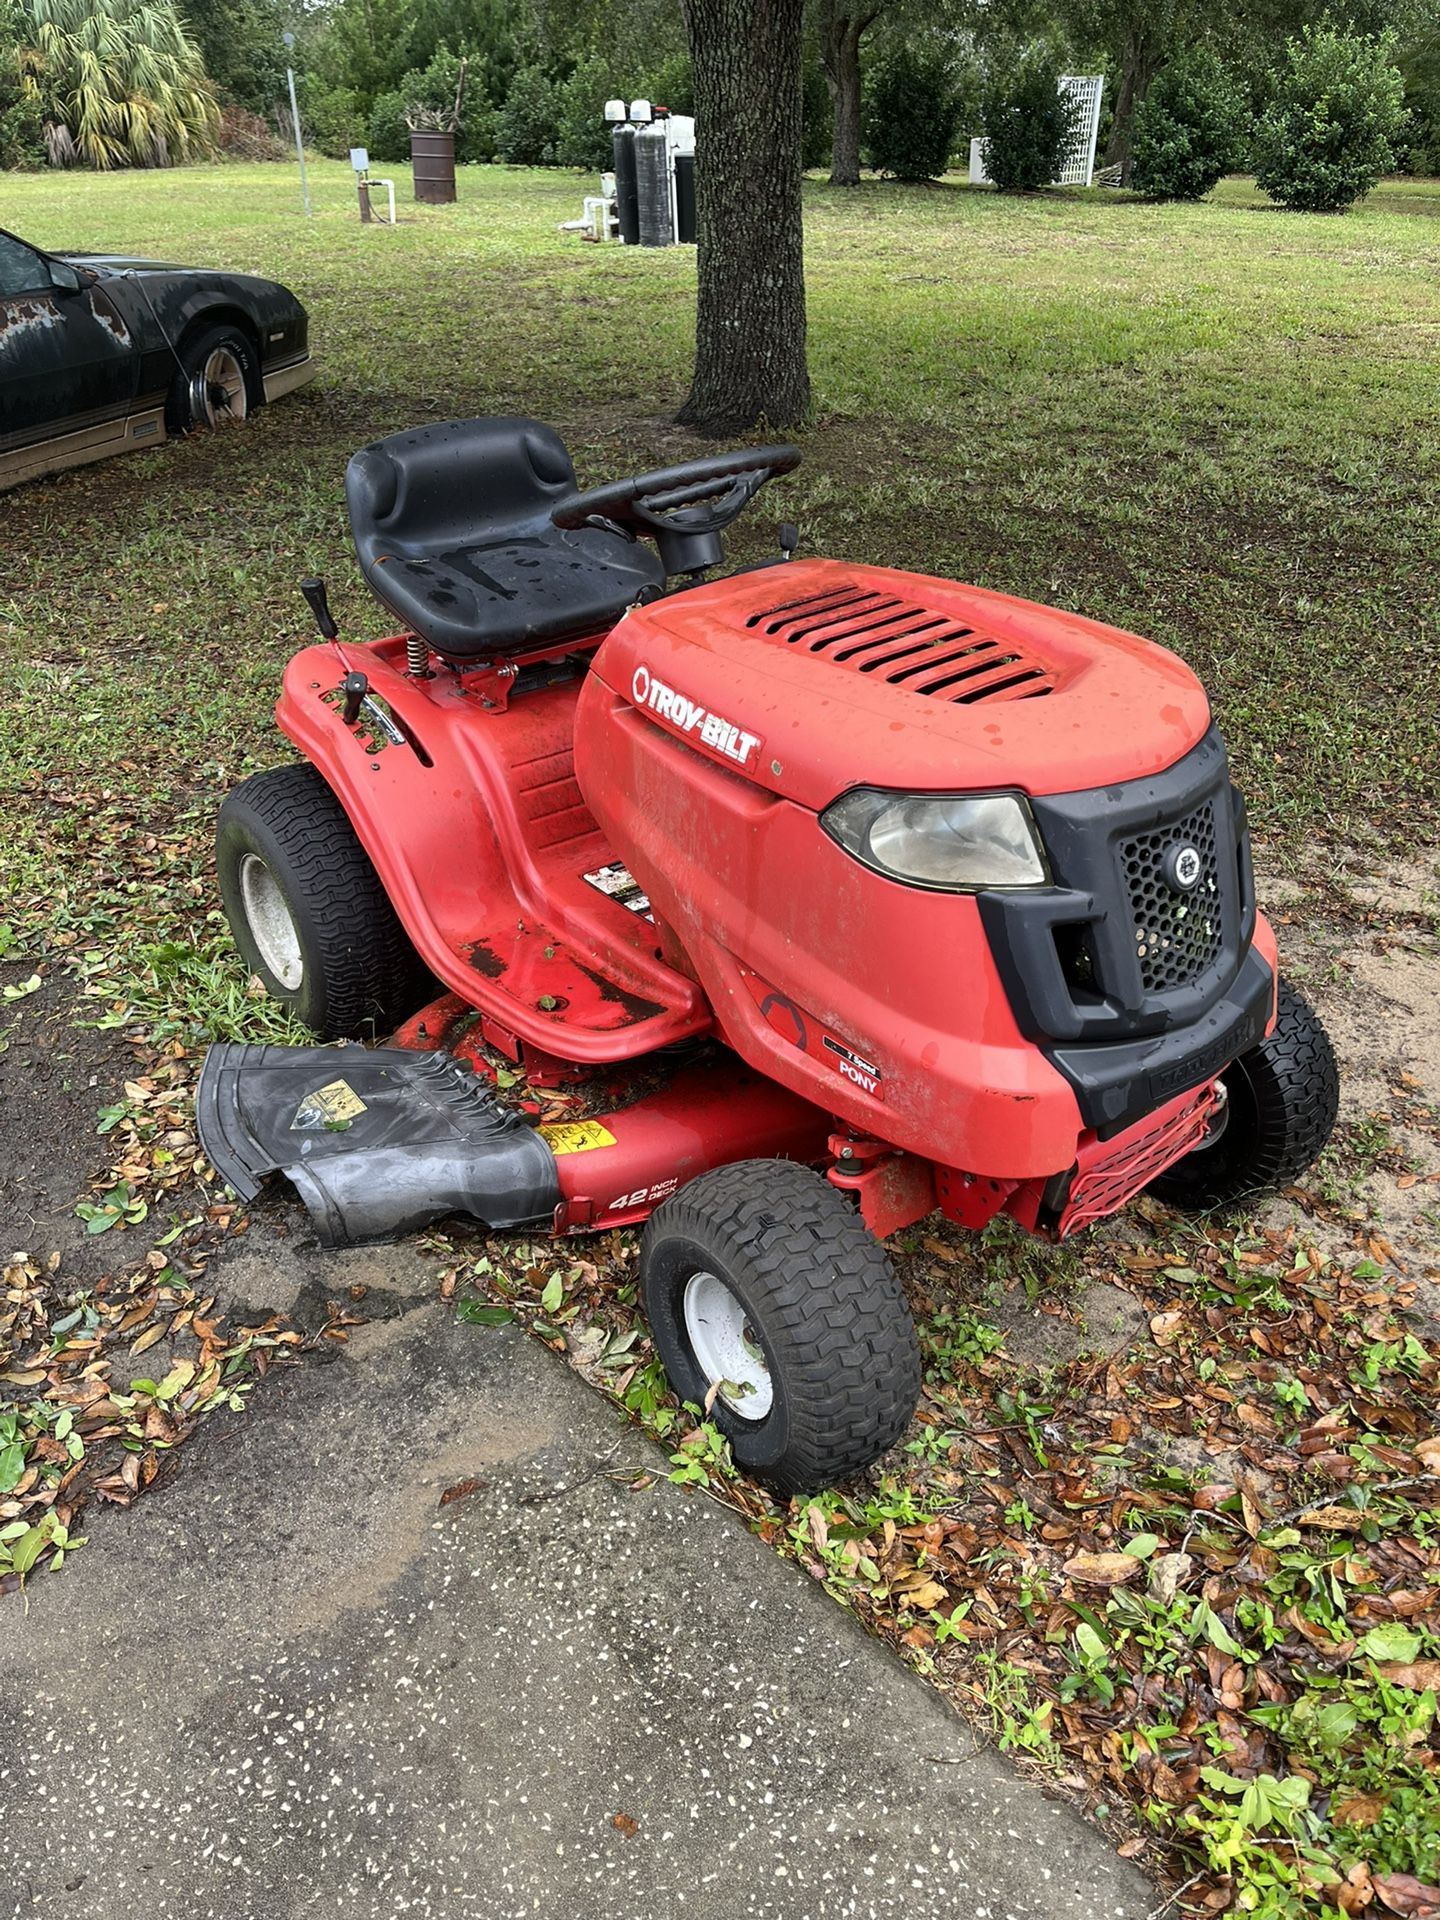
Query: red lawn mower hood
818, 675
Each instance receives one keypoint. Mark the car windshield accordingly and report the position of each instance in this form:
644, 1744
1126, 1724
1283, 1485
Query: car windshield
22, 269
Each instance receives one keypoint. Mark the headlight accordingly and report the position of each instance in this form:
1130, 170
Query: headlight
957, 845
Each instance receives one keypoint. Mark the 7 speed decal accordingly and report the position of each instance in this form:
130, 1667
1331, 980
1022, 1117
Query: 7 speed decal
803, 1030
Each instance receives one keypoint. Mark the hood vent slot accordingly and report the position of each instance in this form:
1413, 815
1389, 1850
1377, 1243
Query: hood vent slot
904, 645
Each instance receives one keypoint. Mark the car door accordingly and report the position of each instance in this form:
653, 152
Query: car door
68, 364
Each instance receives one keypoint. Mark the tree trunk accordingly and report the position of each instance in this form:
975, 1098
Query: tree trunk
840, 36
750, 314
1139, 65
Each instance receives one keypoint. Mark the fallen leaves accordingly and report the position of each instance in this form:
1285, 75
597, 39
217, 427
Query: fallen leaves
1402, 1893
80, 1423
1102, 1569
1416, 1676
461, 1490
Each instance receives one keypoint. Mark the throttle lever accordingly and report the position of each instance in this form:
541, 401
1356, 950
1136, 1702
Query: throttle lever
319, 605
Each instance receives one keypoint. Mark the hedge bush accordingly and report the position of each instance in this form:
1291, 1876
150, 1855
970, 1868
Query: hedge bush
525, 122
1028, 124
1335, 114
1187, 130
910, 115
582, 139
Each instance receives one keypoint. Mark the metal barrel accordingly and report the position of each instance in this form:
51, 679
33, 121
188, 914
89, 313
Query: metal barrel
432, 156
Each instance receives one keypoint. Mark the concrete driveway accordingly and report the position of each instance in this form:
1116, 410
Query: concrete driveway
295, 1683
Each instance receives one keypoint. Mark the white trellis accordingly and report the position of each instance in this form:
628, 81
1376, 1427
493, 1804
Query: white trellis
1077, 169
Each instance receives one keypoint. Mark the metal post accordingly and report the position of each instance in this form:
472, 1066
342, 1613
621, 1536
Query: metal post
299, 142
362, 184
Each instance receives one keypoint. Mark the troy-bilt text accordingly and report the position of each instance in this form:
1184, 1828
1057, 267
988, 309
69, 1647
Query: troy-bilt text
709, 728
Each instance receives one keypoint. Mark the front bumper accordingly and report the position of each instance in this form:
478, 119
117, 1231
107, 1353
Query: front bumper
280, 380
1116, 1082
1134, 985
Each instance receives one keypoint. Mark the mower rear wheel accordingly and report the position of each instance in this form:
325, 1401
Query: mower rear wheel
1281, 1101
307, 909
774, 1307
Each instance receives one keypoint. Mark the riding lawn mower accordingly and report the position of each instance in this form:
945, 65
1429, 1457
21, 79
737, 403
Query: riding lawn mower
853, 894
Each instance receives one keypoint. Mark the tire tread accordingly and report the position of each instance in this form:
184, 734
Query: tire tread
853, 1372
370, 975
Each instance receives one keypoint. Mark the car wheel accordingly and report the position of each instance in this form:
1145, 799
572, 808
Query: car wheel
307, 909
216, 384
1281, 1101
772, 1303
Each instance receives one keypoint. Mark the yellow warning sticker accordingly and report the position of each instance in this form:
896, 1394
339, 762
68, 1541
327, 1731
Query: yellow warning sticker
335, 1104
576, 1136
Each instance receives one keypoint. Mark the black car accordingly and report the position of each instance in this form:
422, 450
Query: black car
100, 354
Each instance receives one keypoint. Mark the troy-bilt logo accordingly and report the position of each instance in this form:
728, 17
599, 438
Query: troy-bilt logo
1182, 867
710, 729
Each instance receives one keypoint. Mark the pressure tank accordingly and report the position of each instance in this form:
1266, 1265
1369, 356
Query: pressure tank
627, 203
652, 179
685, 198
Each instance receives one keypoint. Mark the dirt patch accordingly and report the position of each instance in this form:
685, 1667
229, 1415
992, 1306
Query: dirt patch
1373, 972
1094, 1319
54, 1079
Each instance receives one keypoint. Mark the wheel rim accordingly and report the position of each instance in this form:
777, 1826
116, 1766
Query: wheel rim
726, 1348
271, 923
218, 394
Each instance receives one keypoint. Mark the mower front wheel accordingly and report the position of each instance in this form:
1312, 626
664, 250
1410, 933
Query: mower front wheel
307, 909
1281, 1101
777, 1312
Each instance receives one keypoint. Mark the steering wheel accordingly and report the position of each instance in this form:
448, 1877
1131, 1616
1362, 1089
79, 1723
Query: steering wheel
679, 506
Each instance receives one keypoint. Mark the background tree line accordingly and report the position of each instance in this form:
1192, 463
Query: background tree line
896, 84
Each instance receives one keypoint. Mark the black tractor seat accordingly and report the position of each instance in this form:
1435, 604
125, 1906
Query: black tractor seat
452, 526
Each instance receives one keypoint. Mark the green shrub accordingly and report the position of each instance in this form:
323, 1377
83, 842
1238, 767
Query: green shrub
1028, 124
1335, 113
910, 115
22, 116
669, 84
22, 122
582, 137
334, 118
1187, 130
387, 138
22, 130
525, 124
1420, 66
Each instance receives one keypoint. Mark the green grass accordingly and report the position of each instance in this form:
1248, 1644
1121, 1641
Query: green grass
1218, 424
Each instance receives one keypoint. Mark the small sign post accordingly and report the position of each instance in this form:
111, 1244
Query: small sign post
360, 161
289, 39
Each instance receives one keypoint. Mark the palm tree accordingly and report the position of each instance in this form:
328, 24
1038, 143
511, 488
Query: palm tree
121, 81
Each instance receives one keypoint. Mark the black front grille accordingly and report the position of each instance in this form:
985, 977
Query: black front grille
1178, 931
1118, 947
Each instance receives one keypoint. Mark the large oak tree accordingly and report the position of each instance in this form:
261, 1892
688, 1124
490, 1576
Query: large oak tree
750, 363
842, 26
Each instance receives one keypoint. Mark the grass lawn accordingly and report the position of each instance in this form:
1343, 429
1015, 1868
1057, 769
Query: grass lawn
1218, 425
